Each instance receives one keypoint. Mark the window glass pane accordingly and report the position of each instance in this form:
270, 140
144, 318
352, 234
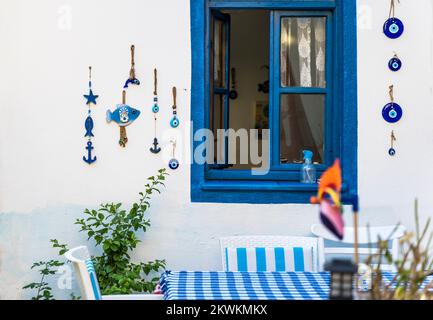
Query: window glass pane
303, 52
217, 122
220, 51
301, 126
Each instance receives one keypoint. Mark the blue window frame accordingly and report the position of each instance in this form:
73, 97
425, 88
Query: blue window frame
281, 184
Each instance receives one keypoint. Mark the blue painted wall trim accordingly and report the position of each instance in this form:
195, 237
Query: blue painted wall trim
238, 191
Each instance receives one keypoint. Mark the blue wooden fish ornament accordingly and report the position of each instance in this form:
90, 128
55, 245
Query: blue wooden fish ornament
124, 115
89, 127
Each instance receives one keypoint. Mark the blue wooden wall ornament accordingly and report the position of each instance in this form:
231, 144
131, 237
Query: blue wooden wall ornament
155, 109
174, 122
132, 78
88, 124
395, 63
393, 27
124, 116
392, 112
392, 151
173, 163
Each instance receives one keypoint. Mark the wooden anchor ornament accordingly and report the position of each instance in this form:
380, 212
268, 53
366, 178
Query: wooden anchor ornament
123, 115
155, 109
132, 78
88, 124
173, 163
174, 123
393, 27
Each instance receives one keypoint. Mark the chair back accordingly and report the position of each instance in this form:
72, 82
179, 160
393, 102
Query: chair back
85, 273
366, 236
272, 253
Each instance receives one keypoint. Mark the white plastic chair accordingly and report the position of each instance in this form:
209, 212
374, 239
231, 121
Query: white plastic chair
88, 281
274, 242
366, 236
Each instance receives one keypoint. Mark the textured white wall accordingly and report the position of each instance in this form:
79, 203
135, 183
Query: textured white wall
44, 185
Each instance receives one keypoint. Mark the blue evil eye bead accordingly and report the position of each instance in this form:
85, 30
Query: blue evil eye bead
392, 112
392, 152
173, 164
155, 108
174, 122
395, 64
393, 28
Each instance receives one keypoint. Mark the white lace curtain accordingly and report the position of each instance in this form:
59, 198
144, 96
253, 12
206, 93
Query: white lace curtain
303, 45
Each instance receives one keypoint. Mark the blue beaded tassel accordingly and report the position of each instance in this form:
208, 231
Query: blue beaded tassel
91, 99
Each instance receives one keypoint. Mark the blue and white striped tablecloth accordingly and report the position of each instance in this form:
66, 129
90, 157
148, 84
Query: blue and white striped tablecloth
198, 285
186, 285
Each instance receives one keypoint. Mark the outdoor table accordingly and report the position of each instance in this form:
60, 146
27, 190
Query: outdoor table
199, 285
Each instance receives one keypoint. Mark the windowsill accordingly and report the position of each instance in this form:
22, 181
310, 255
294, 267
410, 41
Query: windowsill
258, 186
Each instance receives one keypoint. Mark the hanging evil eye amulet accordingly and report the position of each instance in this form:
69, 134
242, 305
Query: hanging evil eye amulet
392, 112
391, 150
174, 123
173, 164
393, 28
395, 64
155, 108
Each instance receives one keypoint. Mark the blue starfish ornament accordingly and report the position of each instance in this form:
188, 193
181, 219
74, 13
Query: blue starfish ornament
91, 98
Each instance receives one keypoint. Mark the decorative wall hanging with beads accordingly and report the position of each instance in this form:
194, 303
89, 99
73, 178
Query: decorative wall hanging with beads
155, 109
391, 150
395, 63
173, 163
91, 99
132, 78
123, 115
175, 120
392, 112
393, 27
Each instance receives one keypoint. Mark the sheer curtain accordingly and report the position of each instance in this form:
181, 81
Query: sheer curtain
303, 42
303, 57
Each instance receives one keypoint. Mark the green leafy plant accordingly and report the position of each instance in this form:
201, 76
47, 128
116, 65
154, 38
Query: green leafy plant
413, 268
115, 230
45, 269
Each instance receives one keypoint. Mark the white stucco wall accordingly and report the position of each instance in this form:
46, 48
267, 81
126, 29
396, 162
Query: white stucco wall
44, 185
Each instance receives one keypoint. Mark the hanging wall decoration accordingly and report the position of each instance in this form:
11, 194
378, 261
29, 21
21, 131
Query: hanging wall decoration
88, 124
392, 112
393, 27
124, 115
395, 63
175, 120
174, 163
132, 78
391, 150
233, 93
155, 109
